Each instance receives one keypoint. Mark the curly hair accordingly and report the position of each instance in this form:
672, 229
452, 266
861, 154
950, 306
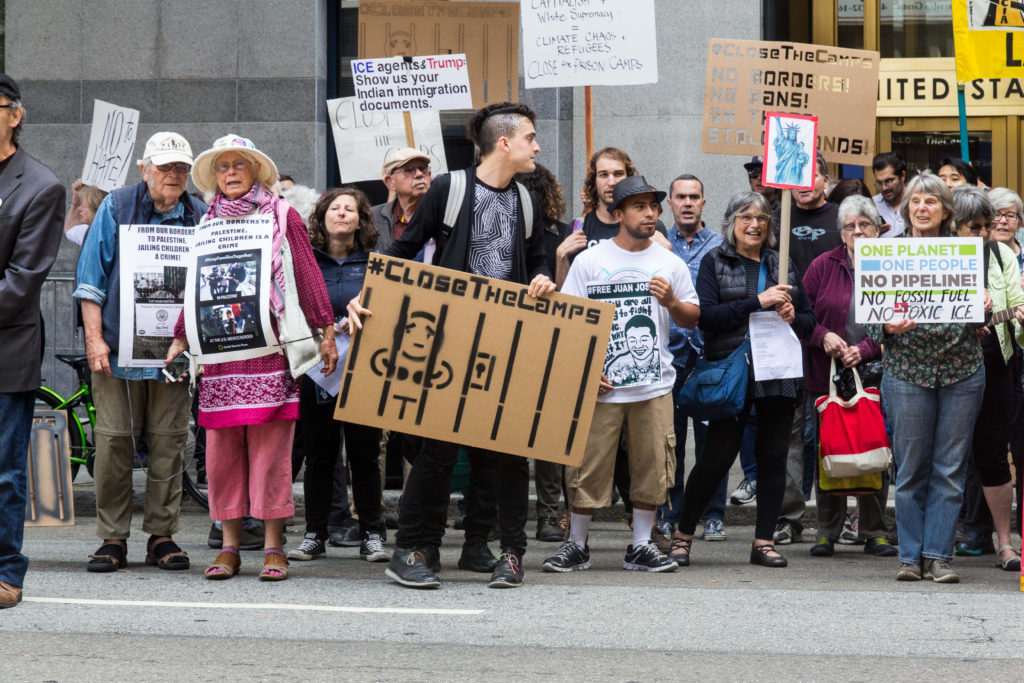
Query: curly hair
590, 182
366, 234
543, 183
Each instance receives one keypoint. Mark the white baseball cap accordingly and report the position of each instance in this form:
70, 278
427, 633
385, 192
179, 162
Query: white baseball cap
167, 148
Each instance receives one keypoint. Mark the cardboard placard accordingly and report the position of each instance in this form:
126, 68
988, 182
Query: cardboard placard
111, 142
153, 261
608, 43
486, 32
411, 83
50, 496
790, 143
989, 39
924, 279
472, 360
747, 78
363, 140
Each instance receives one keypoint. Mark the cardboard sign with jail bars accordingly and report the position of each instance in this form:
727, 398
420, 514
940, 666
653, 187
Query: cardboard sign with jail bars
476, 361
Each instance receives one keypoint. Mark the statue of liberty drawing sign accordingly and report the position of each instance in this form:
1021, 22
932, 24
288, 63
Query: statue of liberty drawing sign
792, 159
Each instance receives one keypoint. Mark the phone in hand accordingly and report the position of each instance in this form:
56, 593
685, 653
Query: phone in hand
178, 367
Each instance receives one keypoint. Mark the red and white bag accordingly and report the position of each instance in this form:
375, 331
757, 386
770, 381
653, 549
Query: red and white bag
852, 433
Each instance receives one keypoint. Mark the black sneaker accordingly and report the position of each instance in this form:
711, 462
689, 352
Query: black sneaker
311, 548
346, 536
569, 558
477, 557
509, 571
408, 568
549, 531
372, 549
647, 558
432, 556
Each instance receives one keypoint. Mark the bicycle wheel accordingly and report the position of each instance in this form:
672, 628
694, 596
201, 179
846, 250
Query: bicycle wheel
195, 460
48, 400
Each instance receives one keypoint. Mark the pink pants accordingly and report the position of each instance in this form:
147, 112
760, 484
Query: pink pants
249, 470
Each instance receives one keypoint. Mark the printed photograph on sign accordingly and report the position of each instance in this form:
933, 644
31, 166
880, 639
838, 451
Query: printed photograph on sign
633, 356
217, 281
229, 301
790, 143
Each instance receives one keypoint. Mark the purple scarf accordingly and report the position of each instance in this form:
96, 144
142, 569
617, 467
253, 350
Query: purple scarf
258, 200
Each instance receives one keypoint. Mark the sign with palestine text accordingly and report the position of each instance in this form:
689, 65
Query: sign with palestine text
475, 361
926, 279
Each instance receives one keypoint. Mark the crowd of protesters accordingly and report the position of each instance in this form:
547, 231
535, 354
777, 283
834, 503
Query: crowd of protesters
952, 393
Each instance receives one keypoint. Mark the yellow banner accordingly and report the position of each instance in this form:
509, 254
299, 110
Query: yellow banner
989, 38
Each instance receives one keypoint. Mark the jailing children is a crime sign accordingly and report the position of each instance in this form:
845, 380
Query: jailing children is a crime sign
475, 361
926, 279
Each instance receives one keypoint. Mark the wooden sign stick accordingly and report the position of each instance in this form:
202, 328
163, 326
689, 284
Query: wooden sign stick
588, 111
787, 196
410, 140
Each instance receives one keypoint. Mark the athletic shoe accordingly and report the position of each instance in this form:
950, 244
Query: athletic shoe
975, 544
477, 557
714, 530
569, 558
661, 535
346, 535
848, 536
825, 547
786, 532
372, 549
880, 546
432, 556
311, 548
509, 571
647, 558
908, 572
745, 493
549, 531
939, 571
409, 568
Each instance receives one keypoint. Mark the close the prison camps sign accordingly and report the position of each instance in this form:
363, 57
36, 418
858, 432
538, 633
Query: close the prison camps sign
473, 360
927, 280
746, 78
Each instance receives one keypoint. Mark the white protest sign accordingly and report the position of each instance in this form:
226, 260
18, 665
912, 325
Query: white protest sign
362, 140
924, 279
412, 83
610, 42
111, 143
227, 292
153, 262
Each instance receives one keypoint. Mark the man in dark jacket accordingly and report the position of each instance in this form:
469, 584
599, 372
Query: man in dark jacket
490, 238
406, 173
31, 219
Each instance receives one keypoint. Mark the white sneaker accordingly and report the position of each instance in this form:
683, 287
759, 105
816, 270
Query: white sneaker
372, 548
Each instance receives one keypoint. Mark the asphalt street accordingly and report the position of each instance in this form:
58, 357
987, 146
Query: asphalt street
841, 618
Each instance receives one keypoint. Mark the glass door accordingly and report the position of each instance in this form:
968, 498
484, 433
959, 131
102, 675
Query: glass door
923, 142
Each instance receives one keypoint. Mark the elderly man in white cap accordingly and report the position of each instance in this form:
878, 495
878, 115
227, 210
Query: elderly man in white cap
406, 173
132, 402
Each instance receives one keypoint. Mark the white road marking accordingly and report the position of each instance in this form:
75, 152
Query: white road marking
251, 606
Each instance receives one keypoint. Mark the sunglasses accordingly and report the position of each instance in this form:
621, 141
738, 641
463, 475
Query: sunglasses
180, 167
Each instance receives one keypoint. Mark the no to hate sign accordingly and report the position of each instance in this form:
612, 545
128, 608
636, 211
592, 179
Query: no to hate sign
928, 280
412, 83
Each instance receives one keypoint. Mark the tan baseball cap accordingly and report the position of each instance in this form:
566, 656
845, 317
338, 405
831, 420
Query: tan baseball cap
397, 158
167, 148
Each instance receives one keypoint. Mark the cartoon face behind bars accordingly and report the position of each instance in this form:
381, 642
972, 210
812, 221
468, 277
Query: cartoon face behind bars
411, 366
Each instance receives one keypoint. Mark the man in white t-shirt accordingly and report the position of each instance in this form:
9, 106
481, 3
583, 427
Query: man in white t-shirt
649, 285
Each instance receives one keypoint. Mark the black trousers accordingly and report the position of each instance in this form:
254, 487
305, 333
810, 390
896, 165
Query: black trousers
321, 435
493, 477
774, 417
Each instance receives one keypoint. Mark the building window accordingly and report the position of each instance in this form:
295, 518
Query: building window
916, 29
787, 20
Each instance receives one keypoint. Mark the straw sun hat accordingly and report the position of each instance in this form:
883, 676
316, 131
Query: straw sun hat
205, 178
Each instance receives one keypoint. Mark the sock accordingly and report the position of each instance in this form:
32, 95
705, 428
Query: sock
229, 549
579, 527
643, 520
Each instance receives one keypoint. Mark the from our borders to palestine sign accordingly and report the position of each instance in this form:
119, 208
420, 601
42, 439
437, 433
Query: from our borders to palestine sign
746, 78
476, 361
924, 279
590, 42
153, 262
989, 39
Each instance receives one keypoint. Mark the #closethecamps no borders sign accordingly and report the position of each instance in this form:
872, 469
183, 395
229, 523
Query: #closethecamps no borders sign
928, 280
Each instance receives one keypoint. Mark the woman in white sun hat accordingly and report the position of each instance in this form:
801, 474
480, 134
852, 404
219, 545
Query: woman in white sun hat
249, 407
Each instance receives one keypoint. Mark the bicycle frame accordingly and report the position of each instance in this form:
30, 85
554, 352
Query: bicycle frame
69, 404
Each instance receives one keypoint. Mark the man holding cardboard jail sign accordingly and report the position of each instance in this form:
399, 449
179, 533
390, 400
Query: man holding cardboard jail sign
487, 235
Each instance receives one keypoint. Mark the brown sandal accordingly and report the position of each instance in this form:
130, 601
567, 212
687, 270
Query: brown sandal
680, 551
110, 557
224, 567
275, 566
163, 552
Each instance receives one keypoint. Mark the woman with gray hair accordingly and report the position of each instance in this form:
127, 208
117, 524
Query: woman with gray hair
829, 286
973, 214
932, 387
729, 287
1007, 220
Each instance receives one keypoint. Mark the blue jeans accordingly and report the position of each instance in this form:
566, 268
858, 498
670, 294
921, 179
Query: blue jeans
932, 430
15, 428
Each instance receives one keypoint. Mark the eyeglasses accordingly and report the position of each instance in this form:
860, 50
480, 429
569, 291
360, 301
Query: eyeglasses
9, 105
750, 218
224, 166
180, 167
863, 226
756, 173
1008, 216
411, 171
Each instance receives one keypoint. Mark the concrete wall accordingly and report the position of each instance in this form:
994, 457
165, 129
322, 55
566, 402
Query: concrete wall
253, 67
